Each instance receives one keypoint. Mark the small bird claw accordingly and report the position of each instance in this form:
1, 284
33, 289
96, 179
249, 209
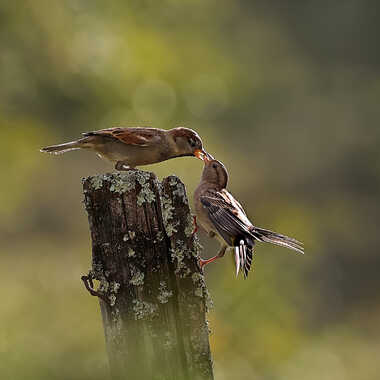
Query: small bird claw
201, 264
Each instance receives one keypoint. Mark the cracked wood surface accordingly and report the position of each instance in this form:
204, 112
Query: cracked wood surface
151, 292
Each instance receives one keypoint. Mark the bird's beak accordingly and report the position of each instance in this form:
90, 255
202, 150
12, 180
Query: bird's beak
201, 154
207, 158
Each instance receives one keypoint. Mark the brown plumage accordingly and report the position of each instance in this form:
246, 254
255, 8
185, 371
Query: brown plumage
131, 147
223, 217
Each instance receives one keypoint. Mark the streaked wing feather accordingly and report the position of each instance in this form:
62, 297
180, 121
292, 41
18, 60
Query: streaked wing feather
131, 136
230, 199
228, 219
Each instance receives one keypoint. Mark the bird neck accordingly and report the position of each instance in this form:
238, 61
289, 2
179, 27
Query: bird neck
216, 179
171, 144
210, 185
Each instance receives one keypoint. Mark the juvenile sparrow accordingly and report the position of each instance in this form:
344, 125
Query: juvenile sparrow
131, 147
222, 216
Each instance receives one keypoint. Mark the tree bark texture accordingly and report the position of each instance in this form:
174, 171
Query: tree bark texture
151, 291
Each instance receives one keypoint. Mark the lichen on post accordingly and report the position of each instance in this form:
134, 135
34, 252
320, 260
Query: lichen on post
152, 294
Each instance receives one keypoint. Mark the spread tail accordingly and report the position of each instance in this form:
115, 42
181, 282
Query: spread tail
62, 148
273, 237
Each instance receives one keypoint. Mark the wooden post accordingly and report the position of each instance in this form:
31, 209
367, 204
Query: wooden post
151, 291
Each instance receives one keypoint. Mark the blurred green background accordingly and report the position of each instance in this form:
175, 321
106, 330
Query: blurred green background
286, 94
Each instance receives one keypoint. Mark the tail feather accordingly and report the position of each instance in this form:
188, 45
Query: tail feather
248, 262
61, 148
248, 253
237, 260
277, 239
243, 257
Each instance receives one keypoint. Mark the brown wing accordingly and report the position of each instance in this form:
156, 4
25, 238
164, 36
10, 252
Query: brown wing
226, 214
131, 136
230, 220
230, 199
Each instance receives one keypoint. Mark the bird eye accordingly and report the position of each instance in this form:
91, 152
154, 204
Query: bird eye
214, 166
192, 143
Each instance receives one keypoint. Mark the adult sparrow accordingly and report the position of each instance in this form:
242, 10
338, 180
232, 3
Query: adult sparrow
222, 216
131, 147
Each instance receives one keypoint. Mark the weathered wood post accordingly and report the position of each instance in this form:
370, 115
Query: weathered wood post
152, 294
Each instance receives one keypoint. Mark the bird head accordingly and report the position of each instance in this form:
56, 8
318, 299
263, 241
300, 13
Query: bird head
188, 143
214, 173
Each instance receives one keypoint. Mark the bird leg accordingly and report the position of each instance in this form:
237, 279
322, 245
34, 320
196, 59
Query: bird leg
121, 166
220, 254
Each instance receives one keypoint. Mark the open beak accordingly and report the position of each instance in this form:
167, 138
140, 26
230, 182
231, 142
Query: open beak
201, 154
207, 158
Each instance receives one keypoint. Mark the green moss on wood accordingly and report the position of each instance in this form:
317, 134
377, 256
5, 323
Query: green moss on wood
178, 255
167, 210
137, 277
96, 182
122, 183
189, 229
145, 195
144, 310
164, 293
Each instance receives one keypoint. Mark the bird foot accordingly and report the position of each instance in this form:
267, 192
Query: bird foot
123, 167
202, 263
